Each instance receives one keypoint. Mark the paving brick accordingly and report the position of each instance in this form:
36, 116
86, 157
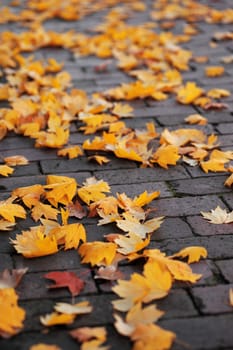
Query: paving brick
218, 247
226, 269
203, 227
172, 228
177, 304
135, 189
225, 128
200, 186
5, 262
216, 116
186, 205
24, 170
228, 198
82, 164
196, 171
212, 300
63, 260
139, 175
226, 140
34, 286
202, 333
15, 143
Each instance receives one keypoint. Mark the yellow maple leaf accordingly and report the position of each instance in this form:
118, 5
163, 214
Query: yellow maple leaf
122, 110
218, 93
214, 71
98, 253
10, 210
70, 152
196, 119
217, 161
121, 152
5, 170
218, 216
99, 159
45, 210
229, 181
132, 224
6, 225
145, 198
11, 316
60, 189
70, 235
16, 160
135, 316
56, 318
146, 336
30, 195
93, 190
166, 155
193, 253
34, 243
188, 93
131, 243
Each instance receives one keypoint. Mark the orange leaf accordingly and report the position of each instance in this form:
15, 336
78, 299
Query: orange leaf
45, 210
11, 315
214, 71
70, 152
5, 170
166, 155
42, 346
97, 253
193, 253
16, 160
188, 93
9, 211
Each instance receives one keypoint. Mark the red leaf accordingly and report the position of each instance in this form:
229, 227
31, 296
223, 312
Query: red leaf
66, 279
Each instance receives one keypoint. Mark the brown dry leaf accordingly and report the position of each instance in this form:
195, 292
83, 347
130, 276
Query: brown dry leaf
214, 105
11, 316
76, 210
196, 119
16, 160
5, 170
193, 253
98, 253
110, 273
11, 279
218, 216
214, 71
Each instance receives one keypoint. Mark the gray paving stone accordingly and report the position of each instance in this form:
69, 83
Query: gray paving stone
218, 247
226, 268
225, 128
202, 333
200, 186
186, 205
5, 262
212, 300
203, 227
139, 175
136, 189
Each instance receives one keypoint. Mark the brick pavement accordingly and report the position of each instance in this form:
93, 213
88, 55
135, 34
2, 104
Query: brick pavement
199, 314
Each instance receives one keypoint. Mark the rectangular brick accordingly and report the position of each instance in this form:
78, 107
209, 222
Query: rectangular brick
5, 262
81, 164
200, 186
225, 267
202, 333
139, 175
203, 227
228, 198
226, 140
186, 205
212, 300
218, 247
172, 228
16, 143
35, 286
225, 128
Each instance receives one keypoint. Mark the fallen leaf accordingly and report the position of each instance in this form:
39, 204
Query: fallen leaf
43, 346
193, 253
80, 308
196, 119
56, 318
99, 159
93, 190
65, 279
5, 170
11, 278
98, 253
11, 316
16, 160
70, 152
10, 210
83, 334
231, 296
214, 71
76, 210
218, 216
45, 210
110, 273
